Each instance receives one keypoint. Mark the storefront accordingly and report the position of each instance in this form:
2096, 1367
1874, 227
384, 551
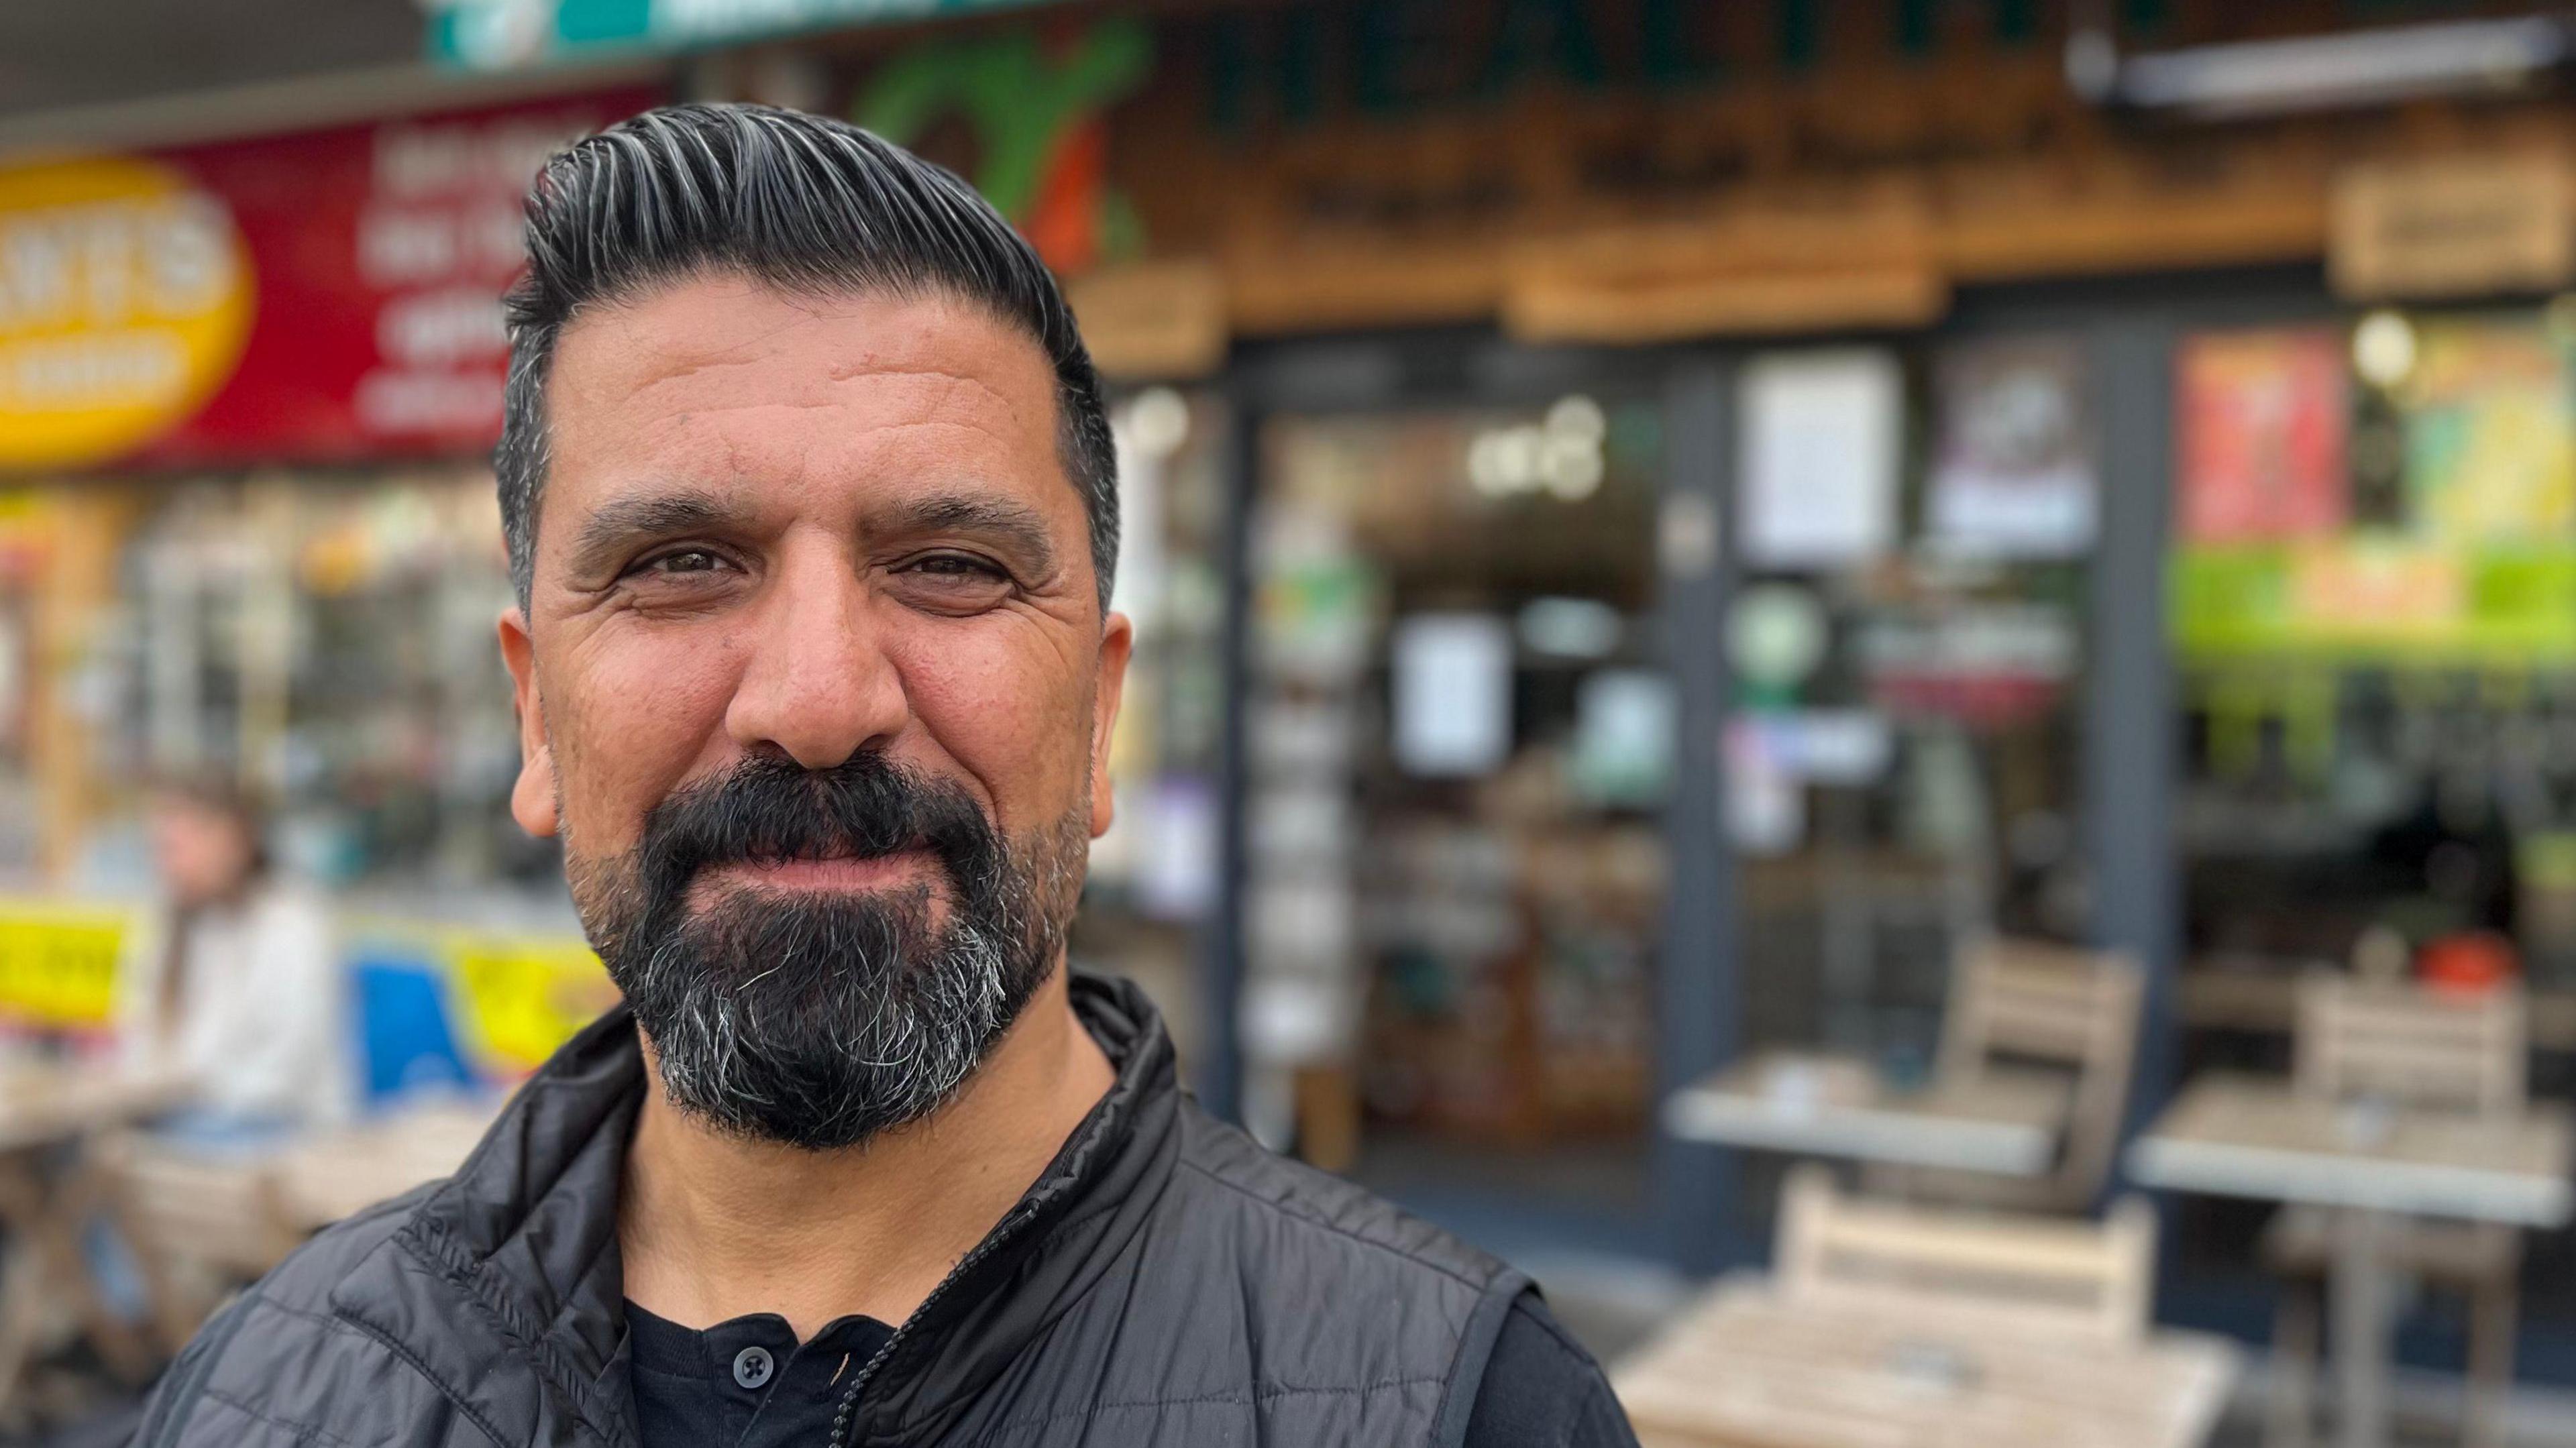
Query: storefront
2370, 614
1649, 527
1716, 510
249, 389
247, 394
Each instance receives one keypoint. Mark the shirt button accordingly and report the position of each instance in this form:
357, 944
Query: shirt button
752, 1367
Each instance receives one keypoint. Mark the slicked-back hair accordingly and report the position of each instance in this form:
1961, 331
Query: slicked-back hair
804, 204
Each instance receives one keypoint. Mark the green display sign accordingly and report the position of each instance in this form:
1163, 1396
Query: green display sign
2375, 599
509, 34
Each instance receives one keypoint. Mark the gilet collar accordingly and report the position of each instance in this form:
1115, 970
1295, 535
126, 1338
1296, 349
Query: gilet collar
524, 1239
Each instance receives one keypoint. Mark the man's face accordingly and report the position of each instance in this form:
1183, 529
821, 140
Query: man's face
815, 684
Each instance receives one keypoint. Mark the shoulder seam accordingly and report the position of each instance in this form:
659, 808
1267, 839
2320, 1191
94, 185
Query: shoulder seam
318, 1319
302, 1431
1335, 1228
412, 1360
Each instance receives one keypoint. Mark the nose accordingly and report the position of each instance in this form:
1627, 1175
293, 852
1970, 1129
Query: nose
819, 685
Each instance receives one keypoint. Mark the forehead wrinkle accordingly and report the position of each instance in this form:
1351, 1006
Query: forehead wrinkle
958, 393
960, 380
814, 306
651, 368
665, 364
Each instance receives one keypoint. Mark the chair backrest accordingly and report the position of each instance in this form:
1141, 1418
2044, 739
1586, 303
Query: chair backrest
2061, 1006
2038, 1001
2410, 1044
1980, 1270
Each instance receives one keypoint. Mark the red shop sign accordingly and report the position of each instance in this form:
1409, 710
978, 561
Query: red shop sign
328, 296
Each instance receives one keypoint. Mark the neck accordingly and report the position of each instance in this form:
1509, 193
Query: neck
713, 1227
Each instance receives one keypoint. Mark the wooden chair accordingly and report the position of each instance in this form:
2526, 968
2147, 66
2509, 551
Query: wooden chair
2031, 1005
1980, 1270
2425, 1050
1889, 1323
201, 1225
2410, 1045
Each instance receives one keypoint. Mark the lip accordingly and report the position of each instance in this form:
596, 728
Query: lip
838, 873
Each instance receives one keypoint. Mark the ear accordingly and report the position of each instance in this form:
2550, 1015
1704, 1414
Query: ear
532, 799
1117, 642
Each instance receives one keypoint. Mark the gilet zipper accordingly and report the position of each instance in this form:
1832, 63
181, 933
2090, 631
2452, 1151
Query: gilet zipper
848, 1406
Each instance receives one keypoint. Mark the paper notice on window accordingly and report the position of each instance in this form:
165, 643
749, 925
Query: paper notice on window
1623, 737
1452, 693
2266, 420
1766, 805
1822, 434
2012, 472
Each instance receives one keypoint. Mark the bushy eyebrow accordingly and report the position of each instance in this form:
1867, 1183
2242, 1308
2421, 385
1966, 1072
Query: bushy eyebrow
620, 524
1002, 521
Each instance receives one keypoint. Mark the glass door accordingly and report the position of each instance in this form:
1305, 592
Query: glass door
1911, 534
1457, 756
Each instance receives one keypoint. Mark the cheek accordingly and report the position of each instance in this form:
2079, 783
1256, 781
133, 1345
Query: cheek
629, 717
1002, 700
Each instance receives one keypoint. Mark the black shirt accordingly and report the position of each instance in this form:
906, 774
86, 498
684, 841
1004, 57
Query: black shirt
747, 1383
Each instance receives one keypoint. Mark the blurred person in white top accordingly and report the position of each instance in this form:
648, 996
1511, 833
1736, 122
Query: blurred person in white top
238, 988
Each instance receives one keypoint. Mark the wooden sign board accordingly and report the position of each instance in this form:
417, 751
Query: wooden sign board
1153, 321
1615, 310
2457, 226
1757, 270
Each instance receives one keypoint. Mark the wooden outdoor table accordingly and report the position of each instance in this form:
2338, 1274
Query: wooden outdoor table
2246, 1136
44, 1104
49, 1194
2002, 1122
342, 1173
1746, 1369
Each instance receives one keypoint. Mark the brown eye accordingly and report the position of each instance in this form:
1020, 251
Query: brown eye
683, 576
681, 563
962, 570
951, 583
694, 560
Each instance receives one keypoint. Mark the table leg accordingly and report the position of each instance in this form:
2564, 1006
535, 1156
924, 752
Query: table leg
44, 1211
79, 1199
2361, 1329
22, 1273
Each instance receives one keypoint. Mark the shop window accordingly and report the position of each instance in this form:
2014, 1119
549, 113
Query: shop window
1912, 538
2373, 604
1460, 742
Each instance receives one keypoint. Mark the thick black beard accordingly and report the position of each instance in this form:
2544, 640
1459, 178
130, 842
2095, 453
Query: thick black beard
821, 1021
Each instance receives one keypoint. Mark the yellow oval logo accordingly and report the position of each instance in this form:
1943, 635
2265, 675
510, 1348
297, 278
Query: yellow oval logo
125, 298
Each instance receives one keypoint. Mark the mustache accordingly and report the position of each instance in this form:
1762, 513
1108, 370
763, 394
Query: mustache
769, 808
